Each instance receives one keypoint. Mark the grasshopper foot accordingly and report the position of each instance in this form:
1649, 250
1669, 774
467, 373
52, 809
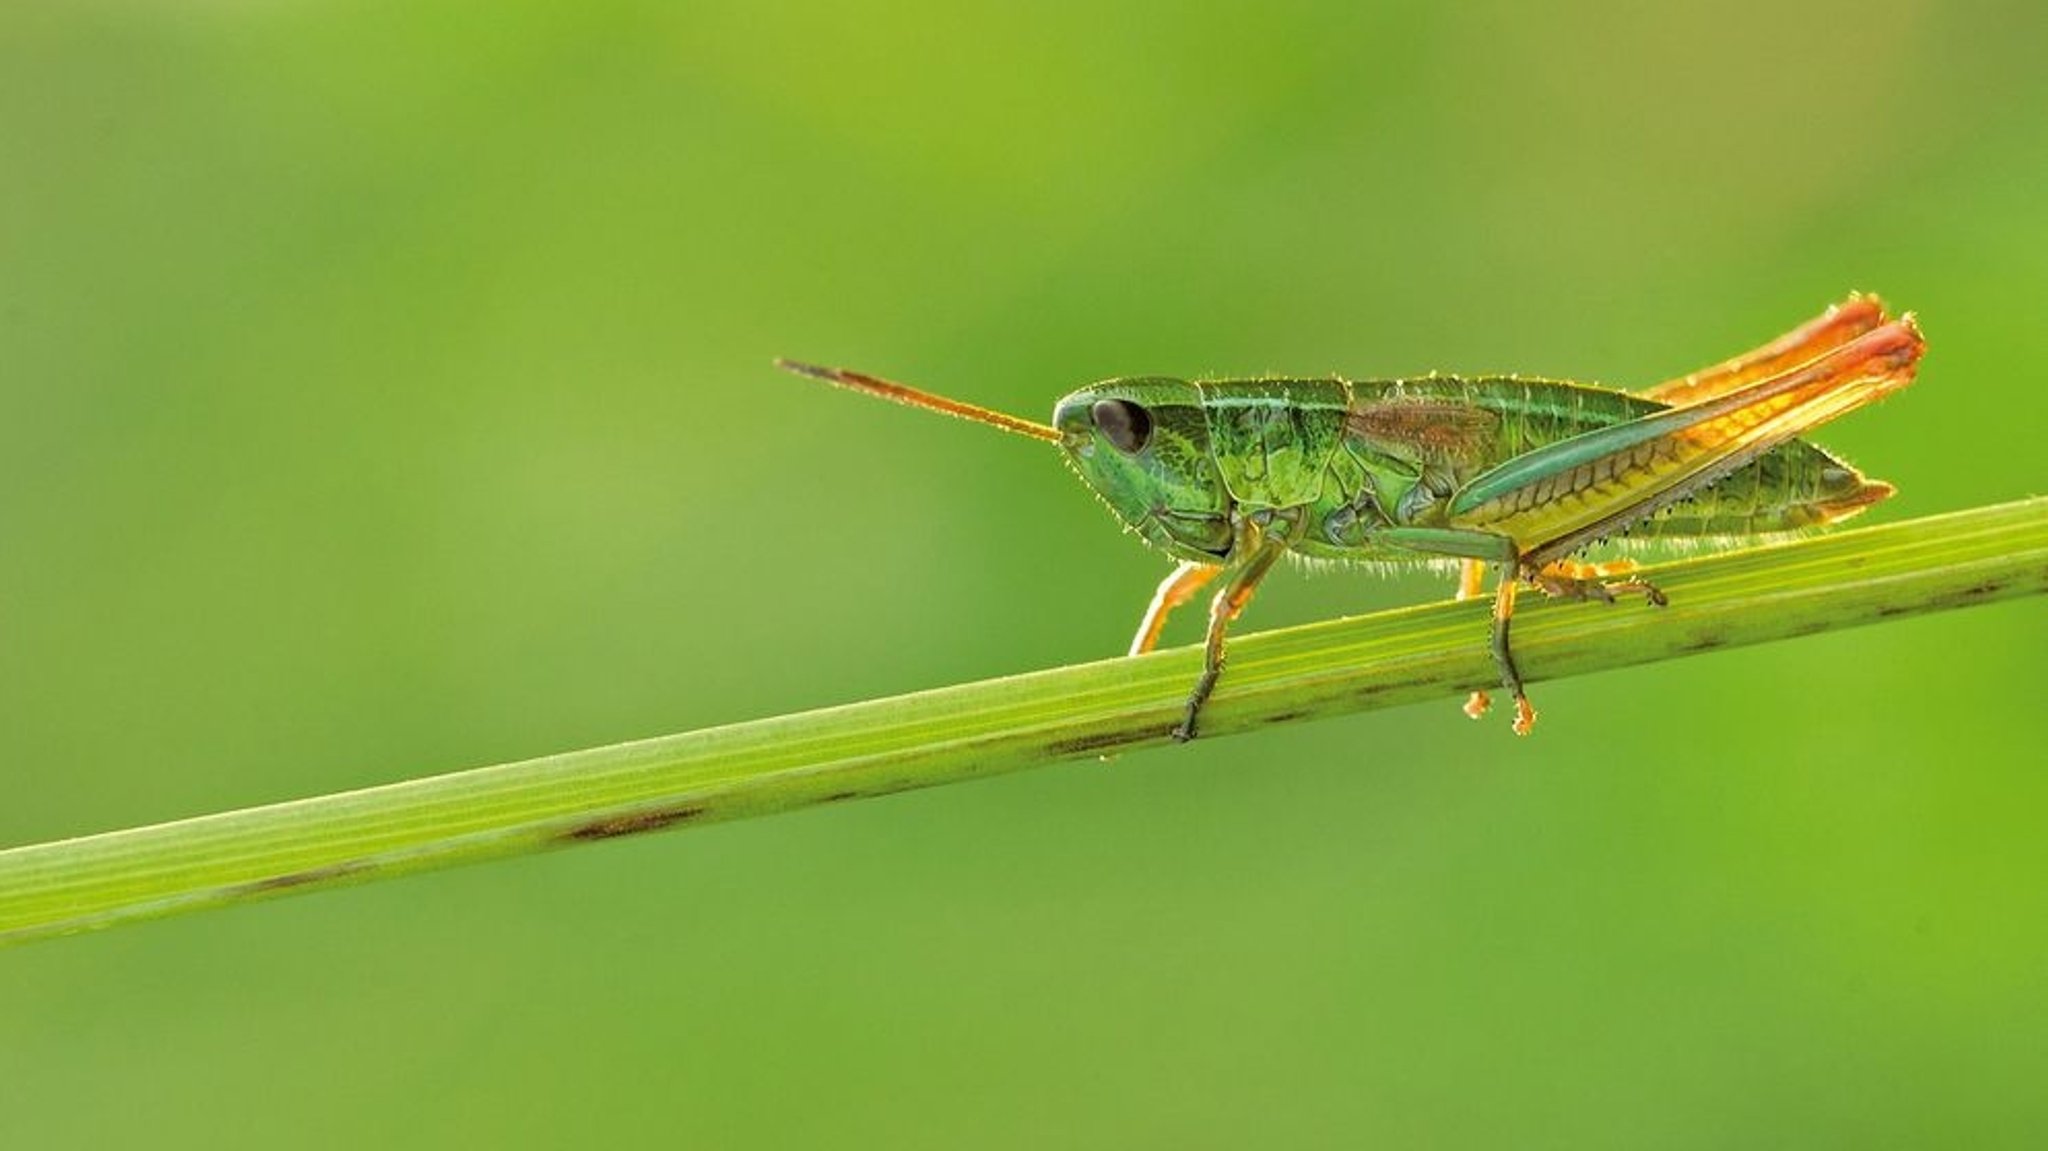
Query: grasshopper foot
1575, 581
1525, 715
1649, 591
1185, 729
1477, 703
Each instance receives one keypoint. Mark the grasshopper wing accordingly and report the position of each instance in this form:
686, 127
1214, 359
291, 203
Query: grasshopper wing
1559, 498
1802, 345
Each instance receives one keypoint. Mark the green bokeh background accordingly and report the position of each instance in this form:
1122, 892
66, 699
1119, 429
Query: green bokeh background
384, 389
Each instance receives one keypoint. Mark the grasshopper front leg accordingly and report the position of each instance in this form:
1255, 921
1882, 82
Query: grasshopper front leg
1175, 590
1253, 555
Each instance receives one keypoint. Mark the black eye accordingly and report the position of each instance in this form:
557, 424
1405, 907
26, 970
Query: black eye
1125, 425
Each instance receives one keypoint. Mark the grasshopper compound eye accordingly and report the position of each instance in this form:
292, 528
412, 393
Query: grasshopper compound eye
1125, 425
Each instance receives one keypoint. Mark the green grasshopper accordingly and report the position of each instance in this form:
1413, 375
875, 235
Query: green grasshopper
1226, 476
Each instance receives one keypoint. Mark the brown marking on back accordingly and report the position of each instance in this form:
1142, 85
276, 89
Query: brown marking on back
1438, 429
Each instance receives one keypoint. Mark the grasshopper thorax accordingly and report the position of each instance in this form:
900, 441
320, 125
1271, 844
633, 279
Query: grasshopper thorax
1143, 444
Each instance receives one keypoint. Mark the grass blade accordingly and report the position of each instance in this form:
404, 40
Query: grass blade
974, 730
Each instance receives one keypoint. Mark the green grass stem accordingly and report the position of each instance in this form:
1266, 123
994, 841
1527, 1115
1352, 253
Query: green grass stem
952, 734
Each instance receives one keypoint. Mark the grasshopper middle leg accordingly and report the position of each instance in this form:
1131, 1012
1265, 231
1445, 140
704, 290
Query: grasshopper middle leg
1471, 582
1503, 654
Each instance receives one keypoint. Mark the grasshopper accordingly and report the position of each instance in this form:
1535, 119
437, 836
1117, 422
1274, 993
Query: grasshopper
1524, 474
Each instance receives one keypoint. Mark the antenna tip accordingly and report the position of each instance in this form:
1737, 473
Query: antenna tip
803, 369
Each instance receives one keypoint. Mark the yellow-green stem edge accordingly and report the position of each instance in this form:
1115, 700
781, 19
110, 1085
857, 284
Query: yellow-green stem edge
973, 730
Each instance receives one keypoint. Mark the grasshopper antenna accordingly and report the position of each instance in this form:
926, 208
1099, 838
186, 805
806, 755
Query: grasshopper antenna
904, 394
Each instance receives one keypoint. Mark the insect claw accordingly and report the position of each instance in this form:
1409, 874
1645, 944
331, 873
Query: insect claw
1558, 586
1525, 715
1185, 729
1652, 595
1477, 703
1587, 581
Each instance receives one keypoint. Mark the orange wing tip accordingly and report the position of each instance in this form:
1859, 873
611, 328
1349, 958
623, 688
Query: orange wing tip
1908, 325
1898, 342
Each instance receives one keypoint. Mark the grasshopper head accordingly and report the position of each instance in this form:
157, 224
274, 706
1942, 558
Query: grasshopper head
1143, 445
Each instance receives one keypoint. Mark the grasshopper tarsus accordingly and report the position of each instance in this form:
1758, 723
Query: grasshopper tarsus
1185, 729
1525, 715
1566, 579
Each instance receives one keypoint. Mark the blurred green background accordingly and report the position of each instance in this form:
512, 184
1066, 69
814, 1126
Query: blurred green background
386, 391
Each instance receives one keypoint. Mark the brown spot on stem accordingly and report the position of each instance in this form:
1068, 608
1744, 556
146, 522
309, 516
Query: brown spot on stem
632, 824
326, 873
1083, 744
1963, 597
